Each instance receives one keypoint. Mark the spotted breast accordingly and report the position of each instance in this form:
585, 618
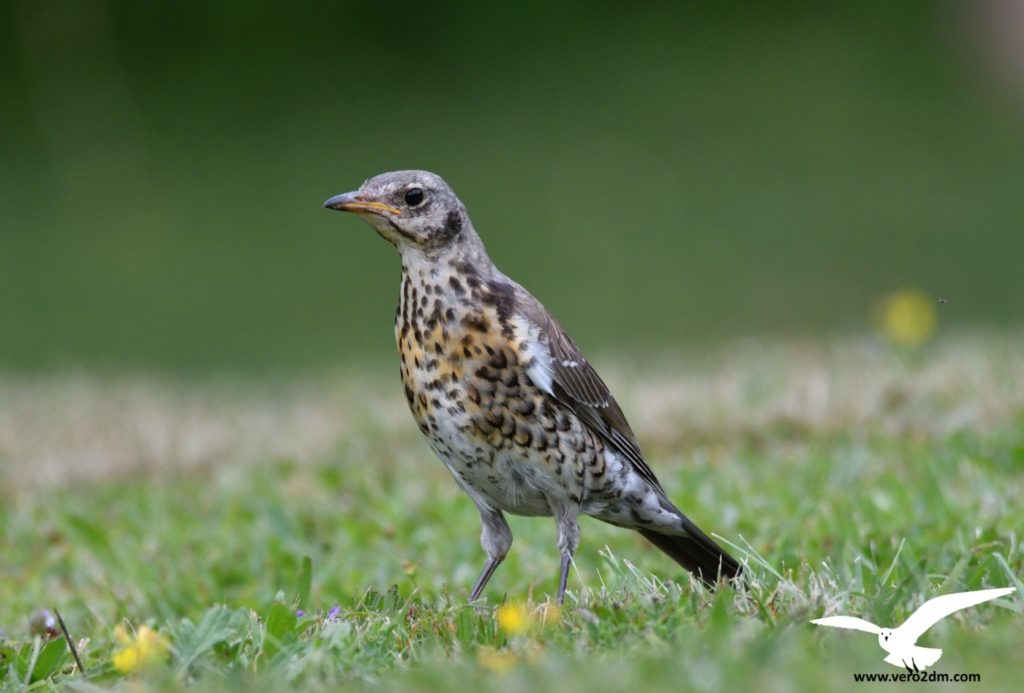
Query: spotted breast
473, 373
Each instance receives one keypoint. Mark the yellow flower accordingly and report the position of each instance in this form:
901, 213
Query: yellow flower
139, 652
514, 619
498, 661
906, 317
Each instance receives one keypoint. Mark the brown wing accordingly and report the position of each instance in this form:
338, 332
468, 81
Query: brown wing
577, 385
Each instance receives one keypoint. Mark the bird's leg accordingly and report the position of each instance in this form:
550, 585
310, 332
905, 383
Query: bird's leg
568, 540
909, 670
564, 577
496, 538
485, 575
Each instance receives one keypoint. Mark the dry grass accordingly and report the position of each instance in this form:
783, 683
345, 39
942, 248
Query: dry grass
63, 428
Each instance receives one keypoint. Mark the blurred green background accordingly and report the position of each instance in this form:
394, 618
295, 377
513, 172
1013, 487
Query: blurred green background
663, 175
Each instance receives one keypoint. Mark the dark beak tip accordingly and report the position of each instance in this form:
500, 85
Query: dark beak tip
339, 201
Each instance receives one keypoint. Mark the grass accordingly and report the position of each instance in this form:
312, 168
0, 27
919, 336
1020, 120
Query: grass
851, 479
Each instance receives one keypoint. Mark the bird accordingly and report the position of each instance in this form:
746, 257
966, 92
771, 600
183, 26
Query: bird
901, 642
503, 394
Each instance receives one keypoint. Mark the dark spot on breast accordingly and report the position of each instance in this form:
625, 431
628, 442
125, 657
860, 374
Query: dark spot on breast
456, 285
464, 267
489, 374
523, 436
502, 296
525, 408
509, 428
476, 322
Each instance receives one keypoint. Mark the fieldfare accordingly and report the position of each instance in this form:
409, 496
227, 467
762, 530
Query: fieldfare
504, 396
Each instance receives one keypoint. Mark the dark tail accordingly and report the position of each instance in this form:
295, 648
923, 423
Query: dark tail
697, 552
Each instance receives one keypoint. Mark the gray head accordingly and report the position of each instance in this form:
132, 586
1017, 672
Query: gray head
413, 210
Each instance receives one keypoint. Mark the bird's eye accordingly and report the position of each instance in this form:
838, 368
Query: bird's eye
414, 196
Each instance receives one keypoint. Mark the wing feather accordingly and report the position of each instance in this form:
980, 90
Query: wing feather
577, 385
934, 610
848, 622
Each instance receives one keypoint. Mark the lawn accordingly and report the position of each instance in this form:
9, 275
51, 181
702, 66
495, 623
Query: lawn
299, 533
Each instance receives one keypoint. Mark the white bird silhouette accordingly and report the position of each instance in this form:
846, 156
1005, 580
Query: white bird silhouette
901, 643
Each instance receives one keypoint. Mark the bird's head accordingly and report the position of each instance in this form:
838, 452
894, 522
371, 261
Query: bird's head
884, 636
413, 210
